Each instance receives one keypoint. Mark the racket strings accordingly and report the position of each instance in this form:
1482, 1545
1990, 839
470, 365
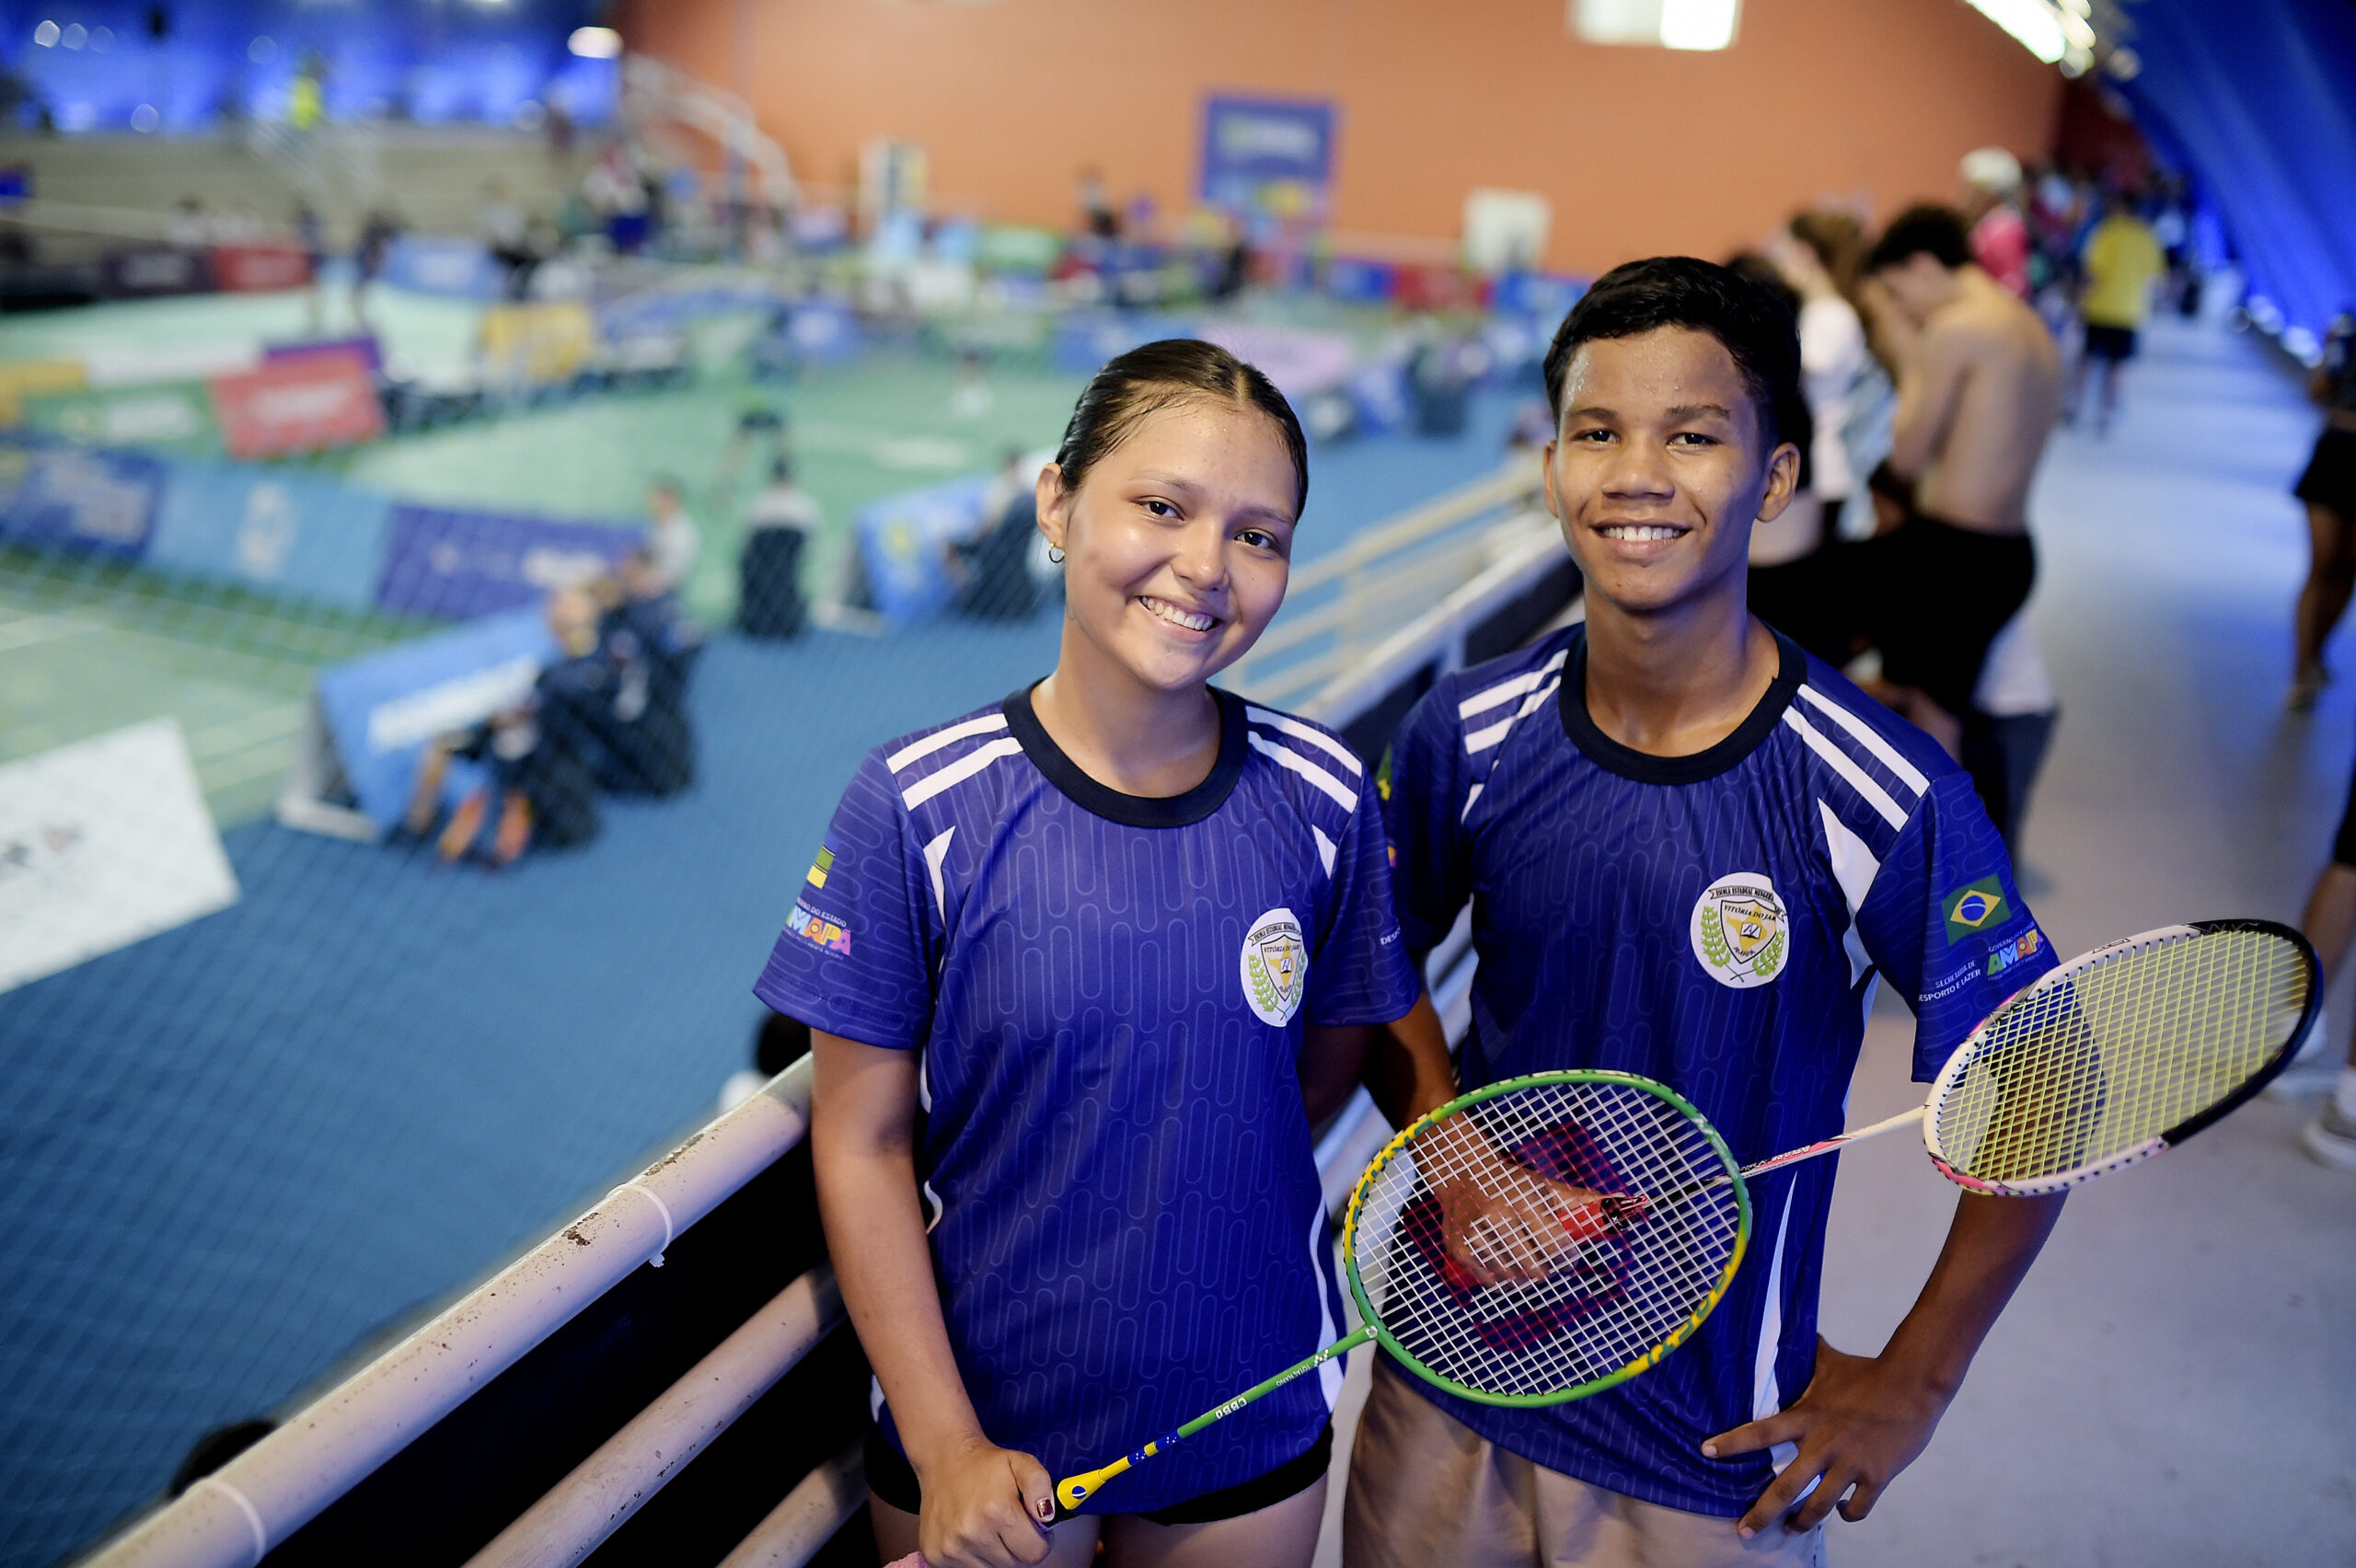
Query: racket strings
2139, 1043
1623, 1281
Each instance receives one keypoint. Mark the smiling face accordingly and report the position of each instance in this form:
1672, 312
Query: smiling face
1177, 542
1659, 467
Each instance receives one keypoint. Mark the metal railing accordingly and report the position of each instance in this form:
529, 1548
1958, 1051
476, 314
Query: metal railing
234, 1517
1340, 607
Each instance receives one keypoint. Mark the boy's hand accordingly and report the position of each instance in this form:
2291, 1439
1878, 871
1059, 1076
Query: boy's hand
1502, 1222
1861, 1422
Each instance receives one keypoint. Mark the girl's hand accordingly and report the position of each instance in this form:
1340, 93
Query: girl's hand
984, 1507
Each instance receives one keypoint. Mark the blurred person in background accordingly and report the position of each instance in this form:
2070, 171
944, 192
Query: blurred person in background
991, 565
506, 234
777, 528
2122, 261
671, 539
646, 742
2328, 488
186, 228
1097, 216
2000, 240
2330, 924
369, 254
2172, 227
1979, 385
539, 753
311, 238
1790, 568
306, 101
1817, 254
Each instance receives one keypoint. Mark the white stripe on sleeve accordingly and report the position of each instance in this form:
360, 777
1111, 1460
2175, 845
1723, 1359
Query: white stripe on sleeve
915, 751
1888, 755
1342, 796
957, 772
1309, 733
1856, 777
935, 853
1505, 691
1480, 740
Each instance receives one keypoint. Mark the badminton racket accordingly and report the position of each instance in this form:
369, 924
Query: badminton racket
1548, 1236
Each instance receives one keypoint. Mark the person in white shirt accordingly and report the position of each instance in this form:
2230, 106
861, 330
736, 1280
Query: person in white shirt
784, 504
672, 541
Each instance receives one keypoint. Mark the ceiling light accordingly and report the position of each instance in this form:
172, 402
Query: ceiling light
595, 43
1697, 24
2033, 22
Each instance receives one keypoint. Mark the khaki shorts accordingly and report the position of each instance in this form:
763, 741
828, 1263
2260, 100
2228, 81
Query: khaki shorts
1427, 1491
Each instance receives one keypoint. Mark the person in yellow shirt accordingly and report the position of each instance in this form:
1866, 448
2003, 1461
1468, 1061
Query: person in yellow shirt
2122, 261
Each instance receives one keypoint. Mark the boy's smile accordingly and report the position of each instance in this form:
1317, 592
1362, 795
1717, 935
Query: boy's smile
1658, 467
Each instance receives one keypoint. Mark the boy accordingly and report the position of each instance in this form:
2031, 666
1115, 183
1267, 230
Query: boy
1690, 849
1977, 392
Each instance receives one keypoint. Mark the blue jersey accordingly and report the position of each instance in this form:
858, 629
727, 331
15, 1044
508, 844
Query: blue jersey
1715, 922
1108, 993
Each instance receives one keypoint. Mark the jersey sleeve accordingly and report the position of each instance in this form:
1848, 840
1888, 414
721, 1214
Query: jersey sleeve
1424, 784
859, 949
1945, 924
1360, 973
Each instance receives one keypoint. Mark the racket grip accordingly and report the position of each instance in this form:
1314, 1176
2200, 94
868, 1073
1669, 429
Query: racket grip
1072, 1491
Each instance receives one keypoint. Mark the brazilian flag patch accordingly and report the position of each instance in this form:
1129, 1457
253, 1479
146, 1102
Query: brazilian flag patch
1975, 907
1382, 775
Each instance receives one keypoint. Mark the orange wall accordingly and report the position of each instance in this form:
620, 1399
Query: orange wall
1641, 150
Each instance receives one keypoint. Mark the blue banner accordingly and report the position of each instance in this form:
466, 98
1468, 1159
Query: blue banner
77, 498
457, 565
1272, 154
382, 708
281, 532
1086, 339
426, 264
902, 539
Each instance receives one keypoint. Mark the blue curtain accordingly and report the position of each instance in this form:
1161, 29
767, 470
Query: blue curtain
2257, 99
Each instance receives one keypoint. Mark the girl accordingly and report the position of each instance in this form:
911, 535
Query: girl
1082, 969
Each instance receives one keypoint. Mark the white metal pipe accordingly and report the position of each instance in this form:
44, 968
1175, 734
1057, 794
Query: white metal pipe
808, 1517
635, 1463
1428, 633
272, 1490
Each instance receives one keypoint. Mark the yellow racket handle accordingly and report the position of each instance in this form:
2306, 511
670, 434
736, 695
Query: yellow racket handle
1072, 1491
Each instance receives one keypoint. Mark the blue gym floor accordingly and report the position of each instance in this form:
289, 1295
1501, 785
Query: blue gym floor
233, 1153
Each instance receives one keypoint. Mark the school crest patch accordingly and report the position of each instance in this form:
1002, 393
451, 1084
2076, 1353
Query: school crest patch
1276, 967
1742, 933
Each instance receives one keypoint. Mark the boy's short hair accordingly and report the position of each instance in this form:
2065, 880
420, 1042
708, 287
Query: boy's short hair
1757, 328
1928, 229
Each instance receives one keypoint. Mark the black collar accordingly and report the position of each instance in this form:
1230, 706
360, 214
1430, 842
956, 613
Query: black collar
1646, 768
1134, 810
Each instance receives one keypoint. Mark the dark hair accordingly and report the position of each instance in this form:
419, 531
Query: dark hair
1160, 376
1754, 268
1836, 239
1757, 327
1928, 229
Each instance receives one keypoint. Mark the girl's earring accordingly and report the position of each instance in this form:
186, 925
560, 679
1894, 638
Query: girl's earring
1055, 554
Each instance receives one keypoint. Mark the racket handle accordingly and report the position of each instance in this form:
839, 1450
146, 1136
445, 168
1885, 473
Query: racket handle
1903, 1119
1072, 1491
